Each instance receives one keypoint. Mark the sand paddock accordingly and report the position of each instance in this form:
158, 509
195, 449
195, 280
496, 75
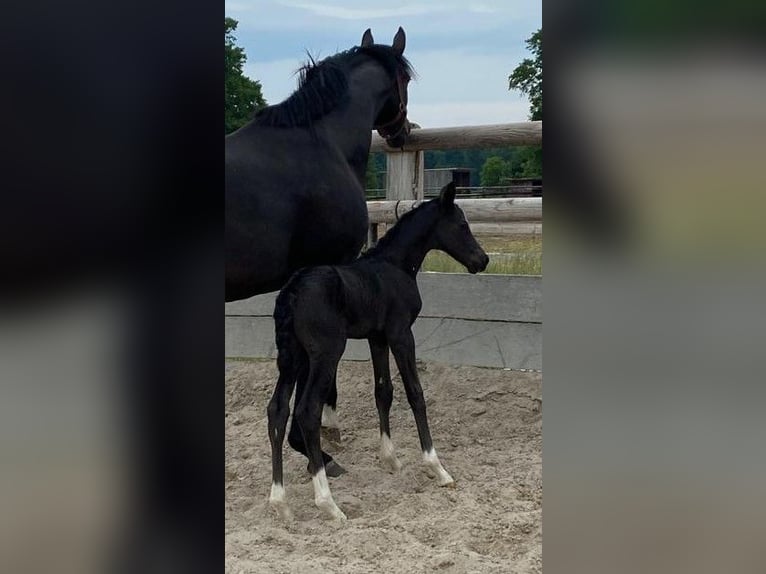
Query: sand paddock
487, 429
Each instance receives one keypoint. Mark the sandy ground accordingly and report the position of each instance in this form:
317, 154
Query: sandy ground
486, 426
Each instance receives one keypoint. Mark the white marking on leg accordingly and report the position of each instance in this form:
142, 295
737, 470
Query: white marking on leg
432, 462
387, 455
323, 497
278, 501
329, 417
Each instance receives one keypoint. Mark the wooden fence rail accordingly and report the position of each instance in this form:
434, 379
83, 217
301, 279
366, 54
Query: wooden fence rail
488, 210
405, 179
467, 137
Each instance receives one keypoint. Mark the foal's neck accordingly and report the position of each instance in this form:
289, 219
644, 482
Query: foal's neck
410, 241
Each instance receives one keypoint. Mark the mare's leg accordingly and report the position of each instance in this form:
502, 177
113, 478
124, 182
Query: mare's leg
295, 438
403, 347
384, 396
308, 415
278, 411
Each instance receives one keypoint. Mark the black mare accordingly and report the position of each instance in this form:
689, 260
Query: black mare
295, 175
376, 298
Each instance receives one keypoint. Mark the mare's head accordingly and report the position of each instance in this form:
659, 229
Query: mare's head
391, 122
452, 234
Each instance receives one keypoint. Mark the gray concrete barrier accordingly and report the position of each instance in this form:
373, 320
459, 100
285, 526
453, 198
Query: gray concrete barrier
481, 320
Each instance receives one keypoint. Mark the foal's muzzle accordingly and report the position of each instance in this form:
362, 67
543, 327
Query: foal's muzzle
478, 263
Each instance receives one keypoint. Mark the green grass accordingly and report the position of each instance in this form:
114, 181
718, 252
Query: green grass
508, 255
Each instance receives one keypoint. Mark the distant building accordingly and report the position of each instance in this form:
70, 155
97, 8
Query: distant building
437, 178
524, 186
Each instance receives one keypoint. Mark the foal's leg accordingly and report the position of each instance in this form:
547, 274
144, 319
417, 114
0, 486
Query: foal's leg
329, 412
403, 347
295, 438
308, 414
384, 396
278, 411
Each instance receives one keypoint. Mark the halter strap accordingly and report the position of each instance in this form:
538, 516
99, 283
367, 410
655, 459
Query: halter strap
402, 113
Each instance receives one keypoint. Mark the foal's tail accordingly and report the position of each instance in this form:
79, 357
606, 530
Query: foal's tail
289, 352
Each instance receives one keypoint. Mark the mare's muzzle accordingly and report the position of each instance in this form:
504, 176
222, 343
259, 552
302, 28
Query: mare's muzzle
396, 131
478, 262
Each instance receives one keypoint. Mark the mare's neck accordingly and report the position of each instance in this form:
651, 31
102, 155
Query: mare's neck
350, 126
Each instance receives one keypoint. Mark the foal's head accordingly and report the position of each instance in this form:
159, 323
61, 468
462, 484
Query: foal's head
453, 236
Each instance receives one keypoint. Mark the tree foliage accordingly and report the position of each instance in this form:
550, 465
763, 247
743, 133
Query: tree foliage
493, 171
528, 79
372, 174
243, 95
528, 76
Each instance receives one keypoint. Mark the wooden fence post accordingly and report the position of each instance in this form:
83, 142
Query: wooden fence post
405, 175
405, 178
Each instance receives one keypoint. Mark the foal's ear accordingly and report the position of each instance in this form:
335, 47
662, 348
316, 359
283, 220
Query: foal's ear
399, 41
367, 38
447, 196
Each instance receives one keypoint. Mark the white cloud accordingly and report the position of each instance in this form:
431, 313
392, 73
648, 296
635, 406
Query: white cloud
481, 9
468, 113
457, 75
356, 13
454, 87
462, 50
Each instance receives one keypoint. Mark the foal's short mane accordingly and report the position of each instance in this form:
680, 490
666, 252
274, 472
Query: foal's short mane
324, 85
402, 227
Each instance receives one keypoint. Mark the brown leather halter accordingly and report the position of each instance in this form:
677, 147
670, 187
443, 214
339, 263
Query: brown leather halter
386, 130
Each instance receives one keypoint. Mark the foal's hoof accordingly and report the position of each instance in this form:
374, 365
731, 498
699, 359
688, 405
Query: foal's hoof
390, 464
331, 434
333, 469
281, 508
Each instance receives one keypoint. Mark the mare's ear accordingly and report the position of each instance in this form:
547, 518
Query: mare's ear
367, 38
447, 196
399, 41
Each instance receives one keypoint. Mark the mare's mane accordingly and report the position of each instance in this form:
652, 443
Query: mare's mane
323, 86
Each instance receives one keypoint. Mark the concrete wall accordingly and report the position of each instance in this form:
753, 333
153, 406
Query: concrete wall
481, 320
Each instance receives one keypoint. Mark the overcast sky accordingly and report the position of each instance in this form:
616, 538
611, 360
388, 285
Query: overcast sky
462, 50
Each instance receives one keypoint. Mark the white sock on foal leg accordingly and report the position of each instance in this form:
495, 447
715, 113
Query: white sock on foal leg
323, 497
278, 501
329, 417
387, 455
431, 461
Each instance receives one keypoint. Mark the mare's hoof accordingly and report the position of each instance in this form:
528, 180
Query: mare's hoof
331, 434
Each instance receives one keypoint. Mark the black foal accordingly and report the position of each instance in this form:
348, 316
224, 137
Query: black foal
376, 298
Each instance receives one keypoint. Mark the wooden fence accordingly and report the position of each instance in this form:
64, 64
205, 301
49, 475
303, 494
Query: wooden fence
406, 174
481, 320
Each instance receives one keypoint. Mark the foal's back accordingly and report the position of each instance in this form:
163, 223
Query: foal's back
350, 301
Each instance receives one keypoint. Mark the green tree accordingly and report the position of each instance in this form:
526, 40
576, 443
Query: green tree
493, 171
531, 162
243, 95
372, 174
528, 76
528, 79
